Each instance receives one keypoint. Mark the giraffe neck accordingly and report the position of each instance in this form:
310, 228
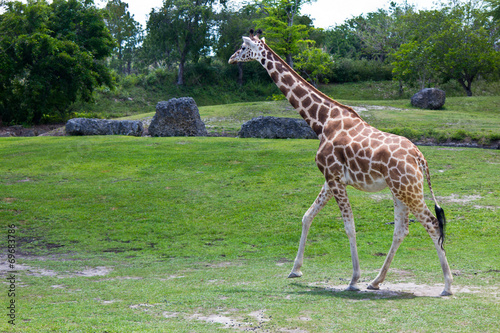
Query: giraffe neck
314, 106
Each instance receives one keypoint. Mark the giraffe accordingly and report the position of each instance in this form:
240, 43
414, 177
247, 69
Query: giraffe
351, 152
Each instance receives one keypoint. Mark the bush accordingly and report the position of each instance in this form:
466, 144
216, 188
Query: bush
129, 81
159, 76
351, 70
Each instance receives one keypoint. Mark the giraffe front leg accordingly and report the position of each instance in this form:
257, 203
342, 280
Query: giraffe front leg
324, 196
347, 216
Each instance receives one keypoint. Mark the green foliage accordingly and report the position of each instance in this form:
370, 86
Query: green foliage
233, 24
361, 45
50, 56
314, 64
352, 70
450, 43
180, 31
342, 41
372, 36
127, 33
412, 64
494, 9
284, 34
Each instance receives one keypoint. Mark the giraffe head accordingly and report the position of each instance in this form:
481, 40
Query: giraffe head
250, 50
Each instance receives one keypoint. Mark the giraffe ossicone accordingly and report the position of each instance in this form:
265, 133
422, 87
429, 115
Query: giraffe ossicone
351, 152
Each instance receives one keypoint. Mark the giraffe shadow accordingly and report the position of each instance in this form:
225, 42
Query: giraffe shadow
341, 292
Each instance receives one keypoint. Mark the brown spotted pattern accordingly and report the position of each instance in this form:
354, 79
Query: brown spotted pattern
351, 152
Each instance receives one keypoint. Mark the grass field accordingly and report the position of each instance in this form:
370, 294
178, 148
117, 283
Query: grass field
121, 234
464, 119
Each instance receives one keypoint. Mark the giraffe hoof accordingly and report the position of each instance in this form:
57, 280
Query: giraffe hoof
370, 287
294, 275
352, 288
446, 293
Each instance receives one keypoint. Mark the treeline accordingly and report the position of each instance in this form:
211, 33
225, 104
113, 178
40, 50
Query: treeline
53, 55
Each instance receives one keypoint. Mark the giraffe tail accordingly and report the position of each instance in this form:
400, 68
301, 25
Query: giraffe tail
439, 211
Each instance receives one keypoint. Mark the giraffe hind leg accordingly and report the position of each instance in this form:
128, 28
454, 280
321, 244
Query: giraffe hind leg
400, 232
342, 199
434, 228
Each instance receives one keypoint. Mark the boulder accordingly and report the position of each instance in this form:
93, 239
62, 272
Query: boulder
86, 126
177, 117
429, 98
276, 128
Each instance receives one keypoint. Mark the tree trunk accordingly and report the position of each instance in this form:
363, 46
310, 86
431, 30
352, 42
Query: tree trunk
182, 61
467, 86
289, 60
180, 77
120, 60
240, 73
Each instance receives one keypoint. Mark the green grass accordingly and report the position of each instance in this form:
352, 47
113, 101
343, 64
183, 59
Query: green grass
389, 90
187, 229
463, 119
480, 122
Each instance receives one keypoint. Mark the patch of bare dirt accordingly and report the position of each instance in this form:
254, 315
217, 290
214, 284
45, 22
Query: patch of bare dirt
466, 199
37, 130
34, 271
404, 290
463, 200
219, 319
495, 144
240, 324
363, 108
219, 265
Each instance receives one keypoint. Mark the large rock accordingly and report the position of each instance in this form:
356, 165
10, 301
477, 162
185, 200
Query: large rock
86, 126
429, 98
177, 117
276, 128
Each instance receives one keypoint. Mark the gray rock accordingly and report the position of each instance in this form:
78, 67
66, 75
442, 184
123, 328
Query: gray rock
86, 126
429, 98
177, 117
276, 128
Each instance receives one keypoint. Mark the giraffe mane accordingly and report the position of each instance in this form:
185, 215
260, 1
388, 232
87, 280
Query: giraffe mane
310, 86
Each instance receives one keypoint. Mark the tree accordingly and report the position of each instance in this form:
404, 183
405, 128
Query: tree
282, 32
125, 30
450, 43
233, 24
181, 30
343, 41
412, 64
314, 64
495, 9
50, 56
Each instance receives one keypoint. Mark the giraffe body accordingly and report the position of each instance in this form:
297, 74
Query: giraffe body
351, 152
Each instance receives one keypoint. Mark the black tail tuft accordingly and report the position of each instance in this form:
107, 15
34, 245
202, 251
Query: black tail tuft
441, 222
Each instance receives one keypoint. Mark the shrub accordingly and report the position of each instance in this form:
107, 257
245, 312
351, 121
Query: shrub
129, 81
351, 70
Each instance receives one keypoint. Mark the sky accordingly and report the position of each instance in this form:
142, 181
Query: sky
325, 13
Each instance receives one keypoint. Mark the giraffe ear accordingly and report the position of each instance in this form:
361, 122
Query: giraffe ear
248, 41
